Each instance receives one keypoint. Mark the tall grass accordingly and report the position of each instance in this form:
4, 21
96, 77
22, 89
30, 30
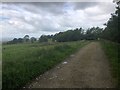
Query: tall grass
112, 50
23, 62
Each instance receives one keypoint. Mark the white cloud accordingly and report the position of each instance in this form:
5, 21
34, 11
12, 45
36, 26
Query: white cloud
36, 19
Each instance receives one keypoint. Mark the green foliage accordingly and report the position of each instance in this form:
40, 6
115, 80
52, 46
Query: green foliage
70, 35
23, 62
112, 30
78, 34
93, 33
26, 38
43, 38
112, 50
33, 39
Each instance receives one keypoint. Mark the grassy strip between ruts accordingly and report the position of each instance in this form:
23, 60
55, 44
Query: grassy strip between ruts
22, 63
112, 50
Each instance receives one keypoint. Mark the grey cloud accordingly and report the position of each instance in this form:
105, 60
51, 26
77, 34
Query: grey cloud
107, 7
55, 8
84, 5
58, 8
102, 9
45, 18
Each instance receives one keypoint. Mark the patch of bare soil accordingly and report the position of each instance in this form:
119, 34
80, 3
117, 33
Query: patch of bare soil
88, 68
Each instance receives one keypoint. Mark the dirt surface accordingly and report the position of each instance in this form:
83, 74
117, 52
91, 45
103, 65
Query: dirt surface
88, 68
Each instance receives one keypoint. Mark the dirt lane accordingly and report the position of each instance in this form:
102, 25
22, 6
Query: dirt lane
88, 68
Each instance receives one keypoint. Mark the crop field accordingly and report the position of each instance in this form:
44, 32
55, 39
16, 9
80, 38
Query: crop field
112, 50
23, 62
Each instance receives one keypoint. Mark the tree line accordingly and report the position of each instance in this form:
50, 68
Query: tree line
78, 34
25, 39
70, 35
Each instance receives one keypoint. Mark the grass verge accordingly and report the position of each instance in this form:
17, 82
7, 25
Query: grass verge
22, 63
112, 50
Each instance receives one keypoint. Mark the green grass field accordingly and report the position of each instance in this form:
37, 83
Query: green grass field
112, 50
23, 62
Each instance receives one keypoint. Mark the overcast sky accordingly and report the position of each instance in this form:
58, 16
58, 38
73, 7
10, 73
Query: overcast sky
35, 19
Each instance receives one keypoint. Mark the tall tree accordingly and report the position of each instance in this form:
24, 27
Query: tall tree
26, 38
93, 33
112, 30
33, 39
43, 38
